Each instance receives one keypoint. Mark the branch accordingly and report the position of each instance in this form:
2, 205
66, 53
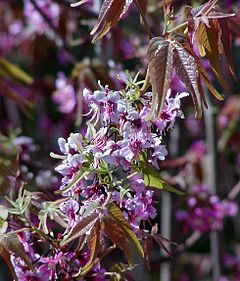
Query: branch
234, 192
190, 241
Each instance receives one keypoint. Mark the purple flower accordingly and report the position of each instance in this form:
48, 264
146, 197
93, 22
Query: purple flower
64, 95
70, 208
205, 212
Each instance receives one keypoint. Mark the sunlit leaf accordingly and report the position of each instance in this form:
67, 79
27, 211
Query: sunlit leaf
94, 244
152, 178
81, 227
116, 233
117, 215
208, 43
187, 70
110, 14
12, 71
160, 56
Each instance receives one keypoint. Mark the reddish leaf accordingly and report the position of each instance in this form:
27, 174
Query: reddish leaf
83, 226
10, 242
187, 70
6, 256
212, 26
94, 244
205, 78
160, 56
163, 56
117, 235
110, 14
148, 246
226, 38
117, 215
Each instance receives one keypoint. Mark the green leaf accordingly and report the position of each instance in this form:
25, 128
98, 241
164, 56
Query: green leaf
152, 178
117, 215
12, 71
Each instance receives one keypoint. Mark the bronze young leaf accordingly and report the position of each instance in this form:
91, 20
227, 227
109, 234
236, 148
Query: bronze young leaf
81, 227
10, 242
187, 70
117, 235
211, 25
160, 56
94, 244
163, 55
110, 14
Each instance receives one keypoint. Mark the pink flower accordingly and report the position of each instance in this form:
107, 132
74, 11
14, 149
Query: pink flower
64, 95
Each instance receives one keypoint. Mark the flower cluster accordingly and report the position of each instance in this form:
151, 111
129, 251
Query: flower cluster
118, 137
232, 265
205, 212
53, 266
105, 164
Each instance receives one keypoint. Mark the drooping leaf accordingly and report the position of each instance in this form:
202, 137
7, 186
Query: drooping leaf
205, 78
117, 215
116, 233
81, 228
109, 15
7, 258
160, 57
152, 178
212, 27
226, 38
148, 246
11, 243
94, 244
13, 72
187, 70
165, 54
208, 44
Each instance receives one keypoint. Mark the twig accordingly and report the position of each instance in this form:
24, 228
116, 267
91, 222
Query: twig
191, 240
234, 192
176, 28
145, 23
